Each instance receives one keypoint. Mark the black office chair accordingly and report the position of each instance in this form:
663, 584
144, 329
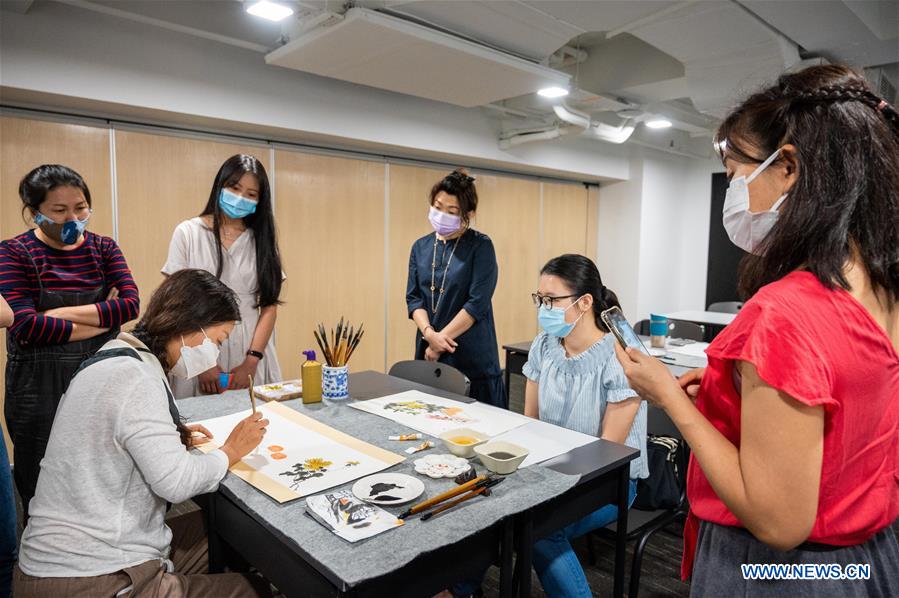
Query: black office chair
686, 330
431, 373
642, 525
642, 327
726, 307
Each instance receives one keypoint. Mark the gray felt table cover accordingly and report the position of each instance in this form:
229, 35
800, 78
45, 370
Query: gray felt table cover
389, 551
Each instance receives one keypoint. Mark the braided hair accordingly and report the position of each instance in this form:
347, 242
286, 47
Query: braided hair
845, 202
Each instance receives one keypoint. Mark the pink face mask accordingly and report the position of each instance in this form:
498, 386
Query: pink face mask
444, 224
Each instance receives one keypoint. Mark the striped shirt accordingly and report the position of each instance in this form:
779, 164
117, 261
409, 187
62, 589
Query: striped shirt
97, 260
574, 391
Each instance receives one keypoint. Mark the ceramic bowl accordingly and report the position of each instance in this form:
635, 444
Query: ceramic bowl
464, 450
501, 457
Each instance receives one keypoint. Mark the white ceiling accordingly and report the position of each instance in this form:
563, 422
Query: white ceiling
688, 59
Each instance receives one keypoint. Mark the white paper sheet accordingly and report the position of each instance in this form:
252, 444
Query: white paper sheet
300, 458
349, 517
691, 356
544, 441
435, 415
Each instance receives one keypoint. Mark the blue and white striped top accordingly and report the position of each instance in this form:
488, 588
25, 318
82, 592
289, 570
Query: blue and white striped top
574, 391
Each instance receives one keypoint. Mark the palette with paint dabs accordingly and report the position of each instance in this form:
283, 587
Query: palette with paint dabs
388, 488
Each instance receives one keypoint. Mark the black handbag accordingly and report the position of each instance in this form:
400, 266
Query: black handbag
662, 489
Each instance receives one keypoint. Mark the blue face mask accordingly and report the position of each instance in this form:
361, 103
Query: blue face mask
66, 233
236, 206
552, 320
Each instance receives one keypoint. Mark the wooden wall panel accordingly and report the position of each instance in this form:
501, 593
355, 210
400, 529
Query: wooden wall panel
331, 226
565, 219
409, 189
163, 180
509, 213
25, 144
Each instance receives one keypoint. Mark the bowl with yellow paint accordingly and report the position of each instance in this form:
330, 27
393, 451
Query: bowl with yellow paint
461, 442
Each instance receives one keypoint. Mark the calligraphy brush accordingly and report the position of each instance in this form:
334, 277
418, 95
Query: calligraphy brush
323, 336
444, 496
345, 345
481, 489
354, 344
322, 347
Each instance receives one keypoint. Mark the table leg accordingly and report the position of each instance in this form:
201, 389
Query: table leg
621, 531
523, 554
505, 559
216, 547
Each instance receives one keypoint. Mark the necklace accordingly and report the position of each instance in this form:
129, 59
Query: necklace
434, 306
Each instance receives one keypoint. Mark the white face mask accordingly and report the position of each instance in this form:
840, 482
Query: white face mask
748, 229
196, 360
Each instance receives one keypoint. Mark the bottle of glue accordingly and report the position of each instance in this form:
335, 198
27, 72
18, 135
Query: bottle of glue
312, 379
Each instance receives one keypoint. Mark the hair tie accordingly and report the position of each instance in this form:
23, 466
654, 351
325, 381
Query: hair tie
881, 106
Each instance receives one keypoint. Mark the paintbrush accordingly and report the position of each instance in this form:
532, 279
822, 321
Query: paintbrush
445, 496
321, 346
479, 490
252, 395
344, 346
355, 344
322, 336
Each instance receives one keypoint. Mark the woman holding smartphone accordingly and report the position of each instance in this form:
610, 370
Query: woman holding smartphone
794, 424
574, 381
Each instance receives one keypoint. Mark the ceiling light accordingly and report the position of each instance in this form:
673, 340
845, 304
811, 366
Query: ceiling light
270, 10
658, 123
553, 92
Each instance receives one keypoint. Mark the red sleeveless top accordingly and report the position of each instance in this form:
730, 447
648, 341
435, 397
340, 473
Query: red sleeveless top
821, 347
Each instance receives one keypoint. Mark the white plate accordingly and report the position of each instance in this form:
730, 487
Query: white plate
388, 489
441, 466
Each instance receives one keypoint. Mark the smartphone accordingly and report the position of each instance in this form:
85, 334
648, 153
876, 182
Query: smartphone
623, 331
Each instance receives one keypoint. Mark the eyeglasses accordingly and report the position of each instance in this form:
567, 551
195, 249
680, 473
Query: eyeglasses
546, 300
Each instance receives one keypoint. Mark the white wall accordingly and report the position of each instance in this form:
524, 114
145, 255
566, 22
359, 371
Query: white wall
83, 57
653, 234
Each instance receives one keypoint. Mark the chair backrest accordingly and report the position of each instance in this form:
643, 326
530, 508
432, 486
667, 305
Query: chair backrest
690, 330
726, 307
430, 373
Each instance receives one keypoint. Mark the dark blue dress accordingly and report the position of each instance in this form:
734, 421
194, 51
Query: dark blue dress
470, 282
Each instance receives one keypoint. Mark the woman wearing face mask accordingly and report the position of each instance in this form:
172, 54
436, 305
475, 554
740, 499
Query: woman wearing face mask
118, 451
794, 424
234, 238
70, 290
574, 381
452, 276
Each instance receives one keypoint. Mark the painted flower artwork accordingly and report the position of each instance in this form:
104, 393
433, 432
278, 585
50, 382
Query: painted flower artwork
429, 410
315, 467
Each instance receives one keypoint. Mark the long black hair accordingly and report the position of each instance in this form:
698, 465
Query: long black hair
185, 302
261, 222
581, 275
845, 201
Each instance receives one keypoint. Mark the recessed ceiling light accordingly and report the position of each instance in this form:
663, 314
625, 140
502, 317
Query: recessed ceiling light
270, 10
658, 123
553, 92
